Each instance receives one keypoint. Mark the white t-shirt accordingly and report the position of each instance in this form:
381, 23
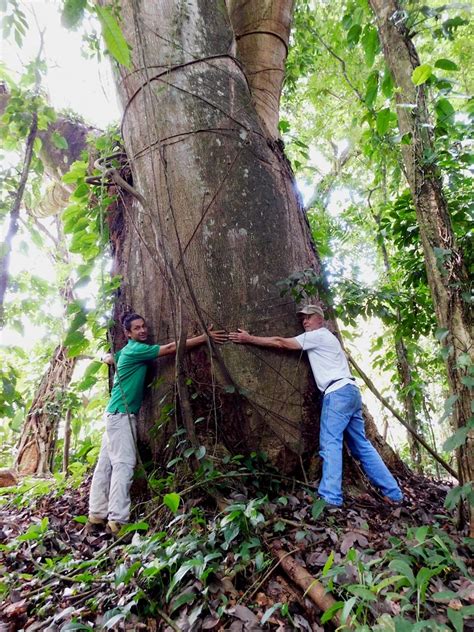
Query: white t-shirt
327, 359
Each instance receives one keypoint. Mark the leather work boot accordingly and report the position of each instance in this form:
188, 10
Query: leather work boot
114, 527
95, 525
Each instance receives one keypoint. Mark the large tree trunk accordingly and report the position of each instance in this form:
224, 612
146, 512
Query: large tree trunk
38, 435
216, 223
445, 267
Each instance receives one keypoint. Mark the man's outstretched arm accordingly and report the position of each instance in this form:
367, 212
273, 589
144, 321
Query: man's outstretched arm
218, 336
243, 337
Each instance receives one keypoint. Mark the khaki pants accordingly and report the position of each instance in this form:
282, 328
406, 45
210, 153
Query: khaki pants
110, 489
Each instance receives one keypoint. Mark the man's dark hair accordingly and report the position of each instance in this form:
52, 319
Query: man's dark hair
127, 320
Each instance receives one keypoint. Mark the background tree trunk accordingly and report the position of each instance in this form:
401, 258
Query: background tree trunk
447, 275
36, 445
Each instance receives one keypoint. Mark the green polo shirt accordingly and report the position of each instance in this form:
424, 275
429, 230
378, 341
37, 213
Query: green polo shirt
129, 381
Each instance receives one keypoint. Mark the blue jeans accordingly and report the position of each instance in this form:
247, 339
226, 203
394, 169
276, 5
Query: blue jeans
342, 413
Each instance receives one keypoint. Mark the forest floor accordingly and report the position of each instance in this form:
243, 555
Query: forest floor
230, 564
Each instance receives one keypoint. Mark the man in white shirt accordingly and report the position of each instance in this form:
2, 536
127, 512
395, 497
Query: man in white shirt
342, 405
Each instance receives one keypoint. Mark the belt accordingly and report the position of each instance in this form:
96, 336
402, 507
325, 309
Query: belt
349, 377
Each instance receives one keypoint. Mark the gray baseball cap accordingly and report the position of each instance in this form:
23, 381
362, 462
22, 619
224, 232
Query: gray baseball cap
311, 309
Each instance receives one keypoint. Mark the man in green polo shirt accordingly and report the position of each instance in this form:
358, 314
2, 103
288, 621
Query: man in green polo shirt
110, 490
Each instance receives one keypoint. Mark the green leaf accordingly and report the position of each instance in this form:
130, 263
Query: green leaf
350, 603
74, 338
59, 141
387, 84
444, 111
328, 564
135, 526
81, 190
404, 569
456, 440
181, 600
455, 494
421, 533
172, 501
268, 613
284, 126
73, 12
318, 508
371, 88
441, 333
446, 64
456, 619
113, 36
80, 519
383, 121
421, 74
370, 43
353, 34
331, 611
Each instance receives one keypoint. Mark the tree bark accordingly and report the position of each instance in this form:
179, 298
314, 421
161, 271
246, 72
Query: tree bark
262, 31
36, 445
446, 271
6, 247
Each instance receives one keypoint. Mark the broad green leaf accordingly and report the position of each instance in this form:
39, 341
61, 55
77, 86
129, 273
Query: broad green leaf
456, 619
441, 333
404, 569
328, 564
73, 339
59, 141
80, 519
371, 88
362, 592
421, 74
421, 533
455, 494
383, 121
353, 34
370, 43
387, 582
331, 611
444, 111
200, 452
172, 501
446, 64
318, 508
456, 440
387, 84
113, 36
181, 600
268, 613
81, 190
349, 604
135, 526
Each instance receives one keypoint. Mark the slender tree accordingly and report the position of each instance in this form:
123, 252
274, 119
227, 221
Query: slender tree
446, 271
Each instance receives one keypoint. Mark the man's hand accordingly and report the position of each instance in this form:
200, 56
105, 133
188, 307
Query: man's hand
240, 336
219, 336
108, 358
